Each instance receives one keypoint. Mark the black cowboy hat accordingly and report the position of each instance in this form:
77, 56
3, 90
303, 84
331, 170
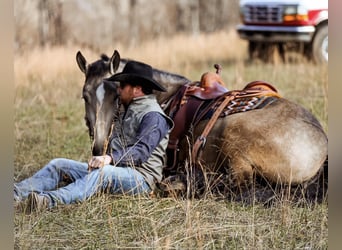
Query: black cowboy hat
137, 73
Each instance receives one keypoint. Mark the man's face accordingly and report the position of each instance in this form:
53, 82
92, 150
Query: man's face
128, 92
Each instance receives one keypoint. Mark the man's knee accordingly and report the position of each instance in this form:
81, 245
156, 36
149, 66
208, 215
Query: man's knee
58, 164
57, 161
107, 170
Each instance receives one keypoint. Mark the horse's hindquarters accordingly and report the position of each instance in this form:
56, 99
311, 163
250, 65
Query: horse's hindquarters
282, 142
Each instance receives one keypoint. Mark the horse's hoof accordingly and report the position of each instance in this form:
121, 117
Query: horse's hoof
172, 184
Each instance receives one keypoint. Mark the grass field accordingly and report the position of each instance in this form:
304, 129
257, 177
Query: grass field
49, 123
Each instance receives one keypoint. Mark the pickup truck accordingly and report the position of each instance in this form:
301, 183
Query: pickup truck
300, 25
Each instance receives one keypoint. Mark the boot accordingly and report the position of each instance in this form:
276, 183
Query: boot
36, 202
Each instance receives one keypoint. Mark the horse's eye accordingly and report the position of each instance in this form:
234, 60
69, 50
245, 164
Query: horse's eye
86, 98
87, 121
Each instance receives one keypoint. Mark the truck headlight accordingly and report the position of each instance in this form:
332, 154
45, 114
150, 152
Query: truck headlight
295, 13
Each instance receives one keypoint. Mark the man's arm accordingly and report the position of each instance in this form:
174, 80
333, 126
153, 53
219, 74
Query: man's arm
151, 131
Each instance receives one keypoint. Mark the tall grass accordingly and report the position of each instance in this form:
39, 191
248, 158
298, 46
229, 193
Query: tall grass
49, 123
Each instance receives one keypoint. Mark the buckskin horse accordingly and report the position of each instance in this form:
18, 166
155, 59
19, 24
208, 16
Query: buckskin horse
240, 134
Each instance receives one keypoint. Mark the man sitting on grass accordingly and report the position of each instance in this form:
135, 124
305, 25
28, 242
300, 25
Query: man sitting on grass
134, 160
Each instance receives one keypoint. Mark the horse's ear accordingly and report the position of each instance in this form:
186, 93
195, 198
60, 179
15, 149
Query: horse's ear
81, 62
114, 62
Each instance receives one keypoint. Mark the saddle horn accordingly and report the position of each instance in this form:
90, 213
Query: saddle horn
218, 68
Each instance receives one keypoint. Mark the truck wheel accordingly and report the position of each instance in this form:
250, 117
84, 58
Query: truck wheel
252, 50
259, 51
320, 45
265, 52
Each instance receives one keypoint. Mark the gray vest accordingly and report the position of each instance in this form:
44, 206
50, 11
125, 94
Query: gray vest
152, 168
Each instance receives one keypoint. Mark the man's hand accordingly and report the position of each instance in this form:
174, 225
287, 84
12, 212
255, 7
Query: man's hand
99, 161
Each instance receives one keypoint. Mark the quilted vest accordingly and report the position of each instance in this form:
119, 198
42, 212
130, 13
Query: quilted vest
129, 123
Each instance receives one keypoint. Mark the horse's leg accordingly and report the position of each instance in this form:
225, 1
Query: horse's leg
241, 177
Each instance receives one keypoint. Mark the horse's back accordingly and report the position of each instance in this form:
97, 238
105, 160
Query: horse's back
282, 141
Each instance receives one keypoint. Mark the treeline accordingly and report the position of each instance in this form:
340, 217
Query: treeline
100, 24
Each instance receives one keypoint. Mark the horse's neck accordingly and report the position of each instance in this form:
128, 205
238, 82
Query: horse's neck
171, 82
162, 97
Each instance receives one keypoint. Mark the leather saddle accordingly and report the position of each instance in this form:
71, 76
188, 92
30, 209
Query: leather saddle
210, 87
185, 106
198, 100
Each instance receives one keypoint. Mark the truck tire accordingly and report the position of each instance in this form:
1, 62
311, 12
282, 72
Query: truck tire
265, 52
254, 50
259, 51
320, 45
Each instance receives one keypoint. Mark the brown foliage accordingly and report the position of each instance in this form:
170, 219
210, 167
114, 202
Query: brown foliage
98, 24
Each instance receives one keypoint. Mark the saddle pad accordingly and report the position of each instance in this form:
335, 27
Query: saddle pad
240, 105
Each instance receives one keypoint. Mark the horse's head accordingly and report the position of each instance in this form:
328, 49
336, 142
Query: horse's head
100, 97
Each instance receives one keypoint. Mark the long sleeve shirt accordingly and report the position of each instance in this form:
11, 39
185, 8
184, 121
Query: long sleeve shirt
150, 132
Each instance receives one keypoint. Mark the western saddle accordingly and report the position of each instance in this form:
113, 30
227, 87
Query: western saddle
209, 99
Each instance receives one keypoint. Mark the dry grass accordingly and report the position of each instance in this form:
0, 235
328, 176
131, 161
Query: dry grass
49, 123
123, 222
179, 54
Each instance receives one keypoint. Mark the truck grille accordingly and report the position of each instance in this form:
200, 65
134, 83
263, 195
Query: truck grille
263, 14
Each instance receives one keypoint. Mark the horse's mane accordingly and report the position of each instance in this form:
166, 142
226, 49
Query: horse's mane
162, 74
104, 57
169, 74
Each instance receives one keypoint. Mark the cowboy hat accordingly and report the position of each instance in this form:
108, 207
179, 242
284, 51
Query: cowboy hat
137, 73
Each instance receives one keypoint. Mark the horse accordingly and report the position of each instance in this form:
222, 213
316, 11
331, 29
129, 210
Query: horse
282, 141
100, 98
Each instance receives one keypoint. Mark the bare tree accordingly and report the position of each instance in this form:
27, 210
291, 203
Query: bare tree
99, 24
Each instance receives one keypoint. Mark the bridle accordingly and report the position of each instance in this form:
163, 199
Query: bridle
92, 131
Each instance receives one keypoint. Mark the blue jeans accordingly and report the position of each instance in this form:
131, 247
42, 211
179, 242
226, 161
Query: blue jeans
115, 180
